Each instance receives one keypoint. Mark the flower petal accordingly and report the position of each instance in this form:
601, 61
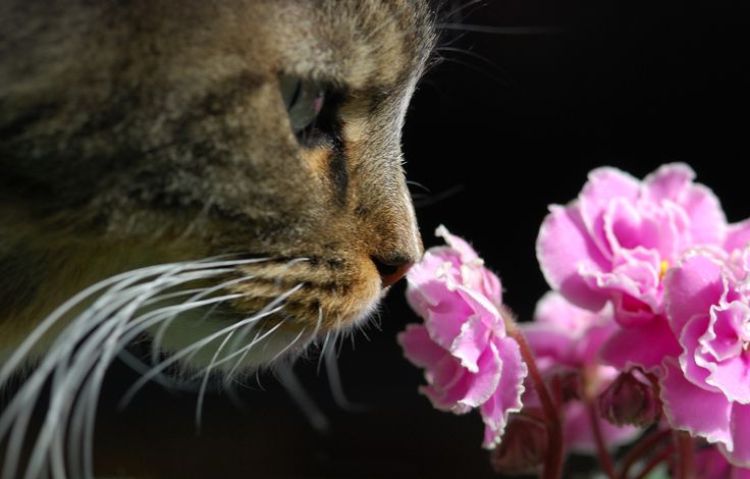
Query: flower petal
418, 347
579, 436
738, 235
694, 409
643, 346
668, 182
690, 288
563, 248
604, 185
674, 182
507, 396
739, 453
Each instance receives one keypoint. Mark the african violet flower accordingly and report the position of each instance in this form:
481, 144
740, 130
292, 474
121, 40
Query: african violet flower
470, 361
707, 390
618, 238
710, 464
567, 339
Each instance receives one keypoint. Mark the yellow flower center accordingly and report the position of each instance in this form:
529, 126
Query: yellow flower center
663, 267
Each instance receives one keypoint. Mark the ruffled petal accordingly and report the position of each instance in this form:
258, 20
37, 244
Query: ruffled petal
507, 396
674, 183
739, 452
563, 249
418, 347
691, 408
644, 346
738, 236
691, 288
603, 186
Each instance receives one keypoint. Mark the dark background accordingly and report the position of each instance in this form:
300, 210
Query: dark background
508, 123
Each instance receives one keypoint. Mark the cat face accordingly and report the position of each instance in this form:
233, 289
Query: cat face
262, 132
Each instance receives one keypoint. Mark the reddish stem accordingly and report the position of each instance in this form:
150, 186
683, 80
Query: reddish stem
640, 449
601, 448
684, 464
655, 461
554, 460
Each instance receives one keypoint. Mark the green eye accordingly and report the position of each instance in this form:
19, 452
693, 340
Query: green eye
304, 101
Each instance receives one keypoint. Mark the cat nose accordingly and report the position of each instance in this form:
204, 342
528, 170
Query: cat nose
392, 269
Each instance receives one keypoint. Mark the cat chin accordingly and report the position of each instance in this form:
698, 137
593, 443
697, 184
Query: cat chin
257, 346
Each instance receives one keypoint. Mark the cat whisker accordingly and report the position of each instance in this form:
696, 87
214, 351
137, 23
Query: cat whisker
323, 350
80, 355
159, 335
70, 360
204, 341
460, 9
245, 350
526, 30
299, 395
335, 385
204, 382
499, 75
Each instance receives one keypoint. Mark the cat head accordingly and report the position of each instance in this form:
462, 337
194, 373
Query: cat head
255, 141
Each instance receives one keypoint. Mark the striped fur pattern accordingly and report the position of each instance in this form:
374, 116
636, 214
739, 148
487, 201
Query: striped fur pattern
152, 190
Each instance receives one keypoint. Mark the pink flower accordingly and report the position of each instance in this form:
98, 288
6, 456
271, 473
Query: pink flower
706, 391
710, 464
565, 339
616, 241
469, 360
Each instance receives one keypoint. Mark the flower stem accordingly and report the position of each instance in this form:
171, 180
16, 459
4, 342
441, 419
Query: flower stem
640, 449
601, 448
554, 460
684, 465
655, 461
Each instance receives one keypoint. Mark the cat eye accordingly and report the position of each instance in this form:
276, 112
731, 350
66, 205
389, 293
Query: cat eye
304, 100
312, 108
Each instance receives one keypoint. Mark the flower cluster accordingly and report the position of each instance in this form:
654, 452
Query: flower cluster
648, 325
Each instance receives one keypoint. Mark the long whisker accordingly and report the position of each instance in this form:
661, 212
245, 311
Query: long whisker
79, 357
246, 349
528, 30
69, 375
158, 337
307, 405
336, 386
323, 351
204, 382
199, 344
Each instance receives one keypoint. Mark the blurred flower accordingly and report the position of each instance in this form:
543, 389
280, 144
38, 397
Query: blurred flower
469, 360
567, 339
710, 464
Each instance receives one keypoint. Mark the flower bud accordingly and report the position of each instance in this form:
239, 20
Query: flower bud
524, 445
629, 400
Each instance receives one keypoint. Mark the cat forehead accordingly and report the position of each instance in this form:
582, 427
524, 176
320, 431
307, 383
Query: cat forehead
364, 44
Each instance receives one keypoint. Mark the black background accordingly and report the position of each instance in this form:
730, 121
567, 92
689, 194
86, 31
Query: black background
508, 123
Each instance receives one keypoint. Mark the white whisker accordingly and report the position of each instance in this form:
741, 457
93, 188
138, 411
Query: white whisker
307, 405
204, 382
77, 360
335, 384
158, 337
199, 344
246, 349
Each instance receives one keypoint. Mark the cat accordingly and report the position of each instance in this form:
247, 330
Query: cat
222, 178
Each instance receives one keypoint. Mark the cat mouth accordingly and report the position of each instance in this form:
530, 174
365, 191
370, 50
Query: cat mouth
311, 293
277, 309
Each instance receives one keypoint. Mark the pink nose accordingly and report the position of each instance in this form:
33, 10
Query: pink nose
391, 270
